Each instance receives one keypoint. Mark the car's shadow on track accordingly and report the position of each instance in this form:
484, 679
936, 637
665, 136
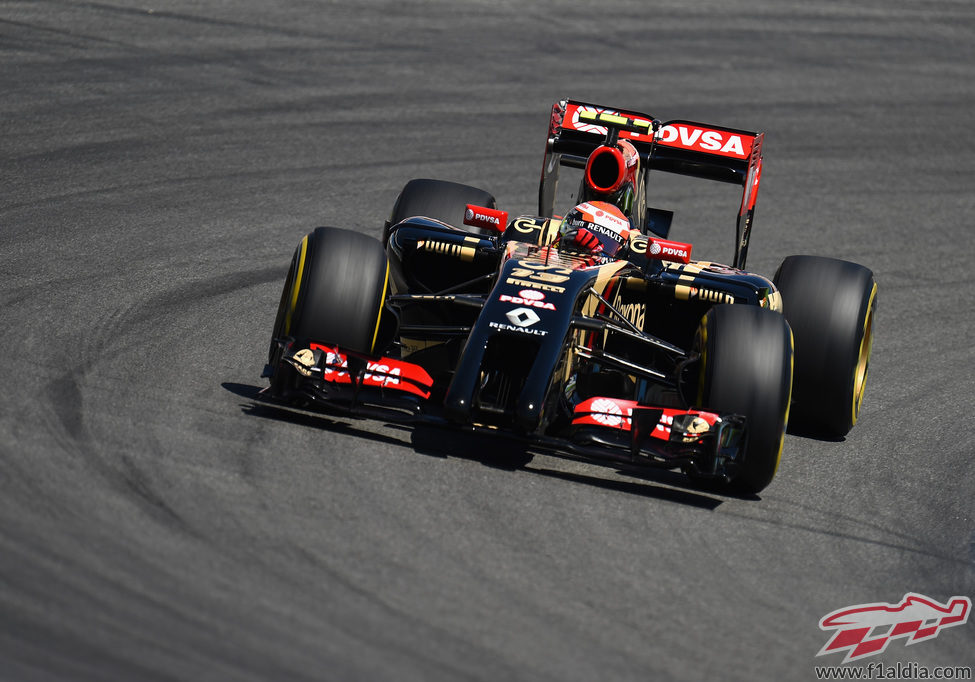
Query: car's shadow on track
282, 413
812, 433
496, 452
510, 455
649, 488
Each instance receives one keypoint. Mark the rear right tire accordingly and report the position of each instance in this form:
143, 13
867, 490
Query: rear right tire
830, 306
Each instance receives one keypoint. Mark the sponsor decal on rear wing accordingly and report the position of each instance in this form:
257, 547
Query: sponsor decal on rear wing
685, 147
699, 149
687, 135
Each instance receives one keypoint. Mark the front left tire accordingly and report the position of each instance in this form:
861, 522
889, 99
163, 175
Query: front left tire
746, 369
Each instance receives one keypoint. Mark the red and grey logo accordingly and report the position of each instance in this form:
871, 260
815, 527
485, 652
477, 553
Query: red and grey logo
663, 249
866, 629
531, 301
484, 217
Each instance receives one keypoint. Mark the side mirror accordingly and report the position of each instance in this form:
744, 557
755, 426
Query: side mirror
486, 218
658, 221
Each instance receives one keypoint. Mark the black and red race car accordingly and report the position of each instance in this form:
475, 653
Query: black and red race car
635, 354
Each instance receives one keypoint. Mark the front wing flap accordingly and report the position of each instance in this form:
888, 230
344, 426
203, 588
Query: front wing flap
703, 441
333, 379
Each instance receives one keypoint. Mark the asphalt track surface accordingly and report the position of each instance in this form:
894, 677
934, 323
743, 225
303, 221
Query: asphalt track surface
159, 164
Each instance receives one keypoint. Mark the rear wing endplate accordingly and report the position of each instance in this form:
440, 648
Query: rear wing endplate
684, 147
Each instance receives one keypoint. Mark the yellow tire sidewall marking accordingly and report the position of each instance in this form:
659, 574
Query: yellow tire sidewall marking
375, 333
296, 285
863, 357
788, 402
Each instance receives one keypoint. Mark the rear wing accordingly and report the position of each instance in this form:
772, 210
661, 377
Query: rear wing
685, 147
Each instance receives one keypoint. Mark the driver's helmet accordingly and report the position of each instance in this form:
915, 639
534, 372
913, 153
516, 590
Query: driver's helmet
604, 220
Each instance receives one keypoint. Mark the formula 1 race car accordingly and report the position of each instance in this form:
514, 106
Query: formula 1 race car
592, 336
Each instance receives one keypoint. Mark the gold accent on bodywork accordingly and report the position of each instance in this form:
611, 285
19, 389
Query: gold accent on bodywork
638, 243
606, 273
635, 313
549, 232
773, 301
684, 292
450, 249
303, 361
695, 430
411, 346
544, 230
531, 284
688, 272
635, 283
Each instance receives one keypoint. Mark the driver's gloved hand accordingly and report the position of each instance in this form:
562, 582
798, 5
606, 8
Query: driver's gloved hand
582, 239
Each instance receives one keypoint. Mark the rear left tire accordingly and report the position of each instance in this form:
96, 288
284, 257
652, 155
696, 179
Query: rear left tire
440, 200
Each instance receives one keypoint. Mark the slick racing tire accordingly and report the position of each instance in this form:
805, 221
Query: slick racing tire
830, 306
334, 291
440, 200
746, 369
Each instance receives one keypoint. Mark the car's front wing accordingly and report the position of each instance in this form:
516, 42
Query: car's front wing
333, 380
